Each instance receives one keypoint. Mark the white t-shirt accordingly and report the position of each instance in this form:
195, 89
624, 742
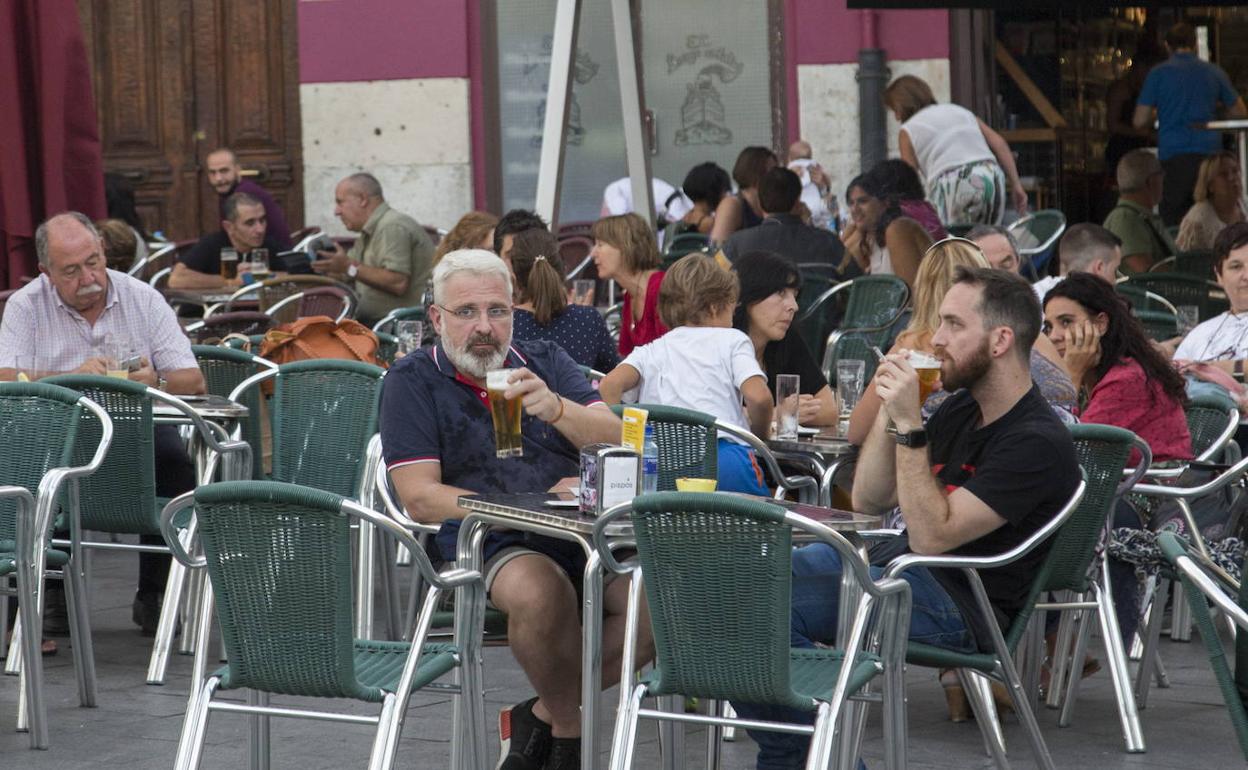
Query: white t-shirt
696, 367
1043, 285
617, 199
880, 262
944, 137
1218, 339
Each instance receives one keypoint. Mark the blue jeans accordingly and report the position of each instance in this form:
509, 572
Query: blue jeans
934, 619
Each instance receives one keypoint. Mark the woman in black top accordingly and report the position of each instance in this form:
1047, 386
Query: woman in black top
766, 309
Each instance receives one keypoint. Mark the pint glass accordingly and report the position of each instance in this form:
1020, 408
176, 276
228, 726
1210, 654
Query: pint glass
928, 368
506, 414
229, 264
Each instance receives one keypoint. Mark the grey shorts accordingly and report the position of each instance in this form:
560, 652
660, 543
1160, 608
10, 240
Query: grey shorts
495, 563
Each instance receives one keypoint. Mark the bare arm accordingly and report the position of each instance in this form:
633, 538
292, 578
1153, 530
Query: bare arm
819, 409
1139, 263
1143, 116
863, 417
1001, 150
178, 382
727, 219
579, 424
907, 150
758, 406
425, 498
875, 475
906, 240
184, 277
336, 263
621, 378
1238, 109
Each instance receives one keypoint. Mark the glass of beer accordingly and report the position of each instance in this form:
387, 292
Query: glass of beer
260, 263
506, 414
928, 368
229, 264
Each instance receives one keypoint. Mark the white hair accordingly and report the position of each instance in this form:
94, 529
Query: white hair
477, 262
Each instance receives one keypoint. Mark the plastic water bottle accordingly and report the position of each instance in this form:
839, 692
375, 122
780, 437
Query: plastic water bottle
649, 463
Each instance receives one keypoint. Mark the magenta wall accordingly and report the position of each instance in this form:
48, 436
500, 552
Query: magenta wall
829, 33
350, 40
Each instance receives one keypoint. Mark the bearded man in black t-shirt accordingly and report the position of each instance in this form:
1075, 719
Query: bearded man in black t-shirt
992, 466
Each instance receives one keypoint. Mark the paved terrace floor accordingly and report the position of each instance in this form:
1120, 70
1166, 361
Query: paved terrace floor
136, 725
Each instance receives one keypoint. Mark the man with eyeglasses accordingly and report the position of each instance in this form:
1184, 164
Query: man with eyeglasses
438, 441
1145, 240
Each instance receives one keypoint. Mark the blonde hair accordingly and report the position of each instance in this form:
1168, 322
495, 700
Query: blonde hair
468, 233
936, 274
907, 95
694, 289
633, 237
1208, 170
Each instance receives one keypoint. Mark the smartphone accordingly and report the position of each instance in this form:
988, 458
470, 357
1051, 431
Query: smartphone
132, 364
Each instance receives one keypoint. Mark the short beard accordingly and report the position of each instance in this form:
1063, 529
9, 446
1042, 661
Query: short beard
955, 377
472, 364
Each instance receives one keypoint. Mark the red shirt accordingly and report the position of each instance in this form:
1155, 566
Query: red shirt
1126, 398
648, 328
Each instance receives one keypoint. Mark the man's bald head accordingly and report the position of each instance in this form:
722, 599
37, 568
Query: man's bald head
799, 150
223, 170
60, 227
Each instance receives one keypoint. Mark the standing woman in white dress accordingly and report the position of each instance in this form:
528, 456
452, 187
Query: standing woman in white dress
967, 167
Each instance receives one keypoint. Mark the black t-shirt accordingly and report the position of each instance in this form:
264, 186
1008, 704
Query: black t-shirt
1023, 467
205, 255
791, 356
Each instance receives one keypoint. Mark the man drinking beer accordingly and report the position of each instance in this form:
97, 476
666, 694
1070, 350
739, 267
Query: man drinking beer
244, 229
439, 443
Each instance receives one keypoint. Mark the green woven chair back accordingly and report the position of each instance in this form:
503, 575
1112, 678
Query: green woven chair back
38, 428
1185, 290
324, 413
1036, 231
121, 495
1234, 685
818, 312
875, 300
717, 573
1103, 452
1159, 325
279, 559
687, 441
1198, 264
1207, 416
683, 245
224, 370
387, 347
1138, 297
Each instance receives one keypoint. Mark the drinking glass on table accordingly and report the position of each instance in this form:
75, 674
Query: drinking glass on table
229, 264
1189, 317
850, 381
409, 335
788, 388
583, 292
260, 263
506, 414
119, 359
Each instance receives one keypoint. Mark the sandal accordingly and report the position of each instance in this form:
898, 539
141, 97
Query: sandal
1090, 666
958, 704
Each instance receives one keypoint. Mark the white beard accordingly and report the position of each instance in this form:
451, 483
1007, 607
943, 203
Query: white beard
474, 365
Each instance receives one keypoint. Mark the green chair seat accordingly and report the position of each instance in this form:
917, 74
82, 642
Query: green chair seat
8, 559
919, 654
379, 665
813, 673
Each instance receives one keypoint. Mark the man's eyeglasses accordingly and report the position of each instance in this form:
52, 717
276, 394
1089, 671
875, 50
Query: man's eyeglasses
470, 313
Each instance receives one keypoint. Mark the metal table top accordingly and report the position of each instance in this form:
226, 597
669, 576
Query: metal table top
208, 407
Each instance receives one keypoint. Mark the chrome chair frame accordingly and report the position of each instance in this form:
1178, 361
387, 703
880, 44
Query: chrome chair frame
806, 487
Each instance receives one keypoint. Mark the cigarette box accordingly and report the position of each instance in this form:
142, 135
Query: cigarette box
610, 475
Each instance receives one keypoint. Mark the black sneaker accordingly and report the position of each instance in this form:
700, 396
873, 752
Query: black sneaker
145, 612
525, 739
565, 754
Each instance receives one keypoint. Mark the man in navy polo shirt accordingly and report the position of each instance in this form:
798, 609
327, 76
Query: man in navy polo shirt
439, 444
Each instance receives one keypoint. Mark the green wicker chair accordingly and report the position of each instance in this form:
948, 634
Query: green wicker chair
688, 443
1185, 290
387, 347
43, 420
1158, 325
121, 498
683, 245
278, 557
999, 663
386, 324
1077, 566
1197, 263
1142, 299
876, 303
224, 370
721, 562
1204, 584
323, 413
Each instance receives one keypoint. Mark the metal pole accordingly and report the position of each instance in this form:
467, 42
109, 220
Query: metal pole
632, 110
872, 74
558, 94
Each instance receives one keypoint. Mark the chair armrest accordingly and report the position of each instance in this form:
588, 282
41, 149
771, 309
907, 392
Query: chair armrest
906, 561
1229, 476
399, 532
208, 432
170, 533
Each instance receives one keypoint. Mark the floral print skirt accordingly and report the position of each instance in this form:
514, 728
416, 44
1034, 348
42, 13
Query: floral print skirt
970, 194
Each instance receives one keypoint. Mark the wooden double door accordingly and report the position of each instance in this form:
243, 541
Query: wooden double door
175, 79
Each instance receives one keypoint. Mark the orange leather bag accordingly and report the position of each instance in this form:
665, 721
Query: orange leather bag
319, 336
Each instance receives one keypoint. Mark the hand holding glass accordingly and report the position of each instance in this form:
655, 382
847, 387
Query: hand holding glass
928, 368
505, 413
788, 388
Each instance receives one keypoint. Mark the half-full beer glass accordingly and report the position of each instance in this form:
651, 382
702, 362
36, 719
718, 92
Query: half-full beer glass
928, 368
229, 264
506, 413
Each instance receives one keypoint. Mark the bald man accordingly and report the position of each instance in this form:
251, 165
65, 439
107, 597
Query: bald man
226, 178
815, 184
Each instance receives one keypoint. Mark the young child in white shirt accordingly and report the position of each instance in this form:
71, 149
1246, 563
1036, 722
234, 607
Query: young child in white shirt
702, 364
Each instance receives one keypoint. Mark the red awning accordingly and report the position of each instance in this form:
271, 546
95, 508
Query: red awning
50, 159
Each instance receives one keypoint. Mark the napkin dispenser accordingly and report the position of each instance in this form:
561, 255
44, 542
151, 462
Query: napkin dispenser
610, 475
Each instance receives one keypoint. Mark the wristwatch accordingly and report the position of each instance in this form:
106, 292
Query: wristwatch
161, 382
914, 439
353, 270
